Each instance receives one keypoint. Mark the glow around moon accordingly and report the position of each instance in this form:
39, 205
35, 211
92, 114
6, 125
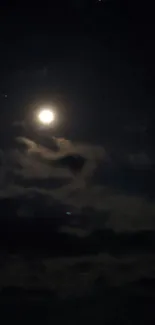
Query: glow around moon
46, 116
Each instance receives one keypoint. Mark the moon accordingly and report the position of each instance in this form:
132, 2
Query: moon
46, 116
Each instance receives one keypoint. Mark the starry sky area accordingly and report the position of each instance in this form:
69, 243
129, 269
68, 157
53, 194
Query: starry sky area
95, 61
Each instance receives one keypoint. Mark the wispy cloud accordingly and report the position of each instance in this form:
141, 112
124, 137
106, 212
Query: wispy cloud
37, 164
31, 160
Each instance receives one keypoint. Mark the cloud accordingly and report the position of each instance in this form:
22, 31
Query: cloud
63, 162
124, 211
140, 160
50, 170
65, 147
29, 160
85, 276
106, 209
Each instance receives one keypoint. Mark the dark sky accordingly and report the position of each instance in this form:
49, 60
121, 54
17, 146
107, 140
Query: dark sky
95, 61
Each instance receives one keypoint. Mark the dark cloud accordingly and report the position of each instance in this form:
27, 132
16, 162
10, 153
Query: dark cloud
65, 164
140, 160
74, 162
42, 162
106, 287
124, 211
133, 273
82, 175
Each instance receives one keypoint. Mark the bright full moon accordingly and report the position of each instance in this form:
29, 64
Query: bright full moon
46, 116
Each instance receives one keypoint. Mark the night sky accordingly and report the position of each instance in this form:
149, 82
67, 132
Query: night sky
93, 60
77, 199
